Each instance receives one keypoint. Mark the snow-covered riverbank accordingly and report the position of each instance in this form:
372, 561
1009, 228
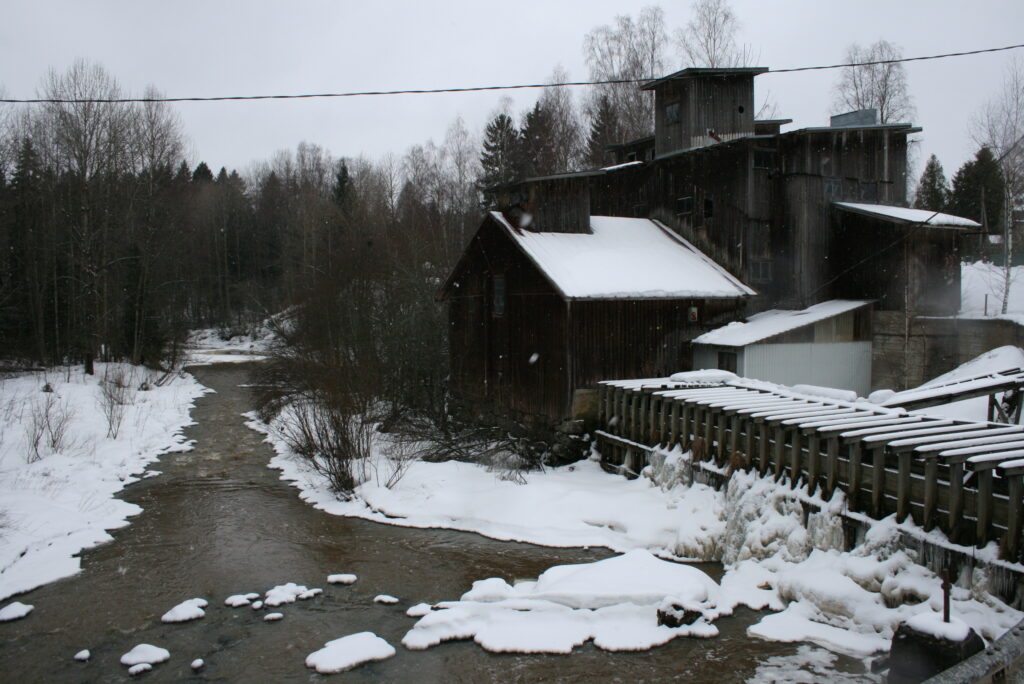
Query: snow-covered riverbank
847, 601
63, 460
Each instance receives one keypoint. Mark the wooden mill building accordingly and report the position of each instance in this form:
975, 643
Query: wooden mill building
537, 314
801, 217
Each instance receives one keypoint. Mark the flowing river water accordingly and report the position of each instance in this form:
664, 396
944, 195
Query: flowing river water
218, 521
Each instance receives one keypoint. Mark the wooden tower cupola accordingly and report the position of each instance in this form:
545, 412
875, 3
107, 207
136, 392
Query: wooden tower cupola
698, 107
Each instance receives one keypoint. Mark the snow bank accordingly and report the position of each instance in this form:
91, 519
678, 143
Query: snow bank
192, 609
54, 507
980, 279
613, 602
349, 651
776, 558
222, 345
565, 506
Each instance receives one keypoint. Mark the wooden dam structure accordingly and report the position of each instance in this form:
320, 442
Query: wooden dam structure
964, 478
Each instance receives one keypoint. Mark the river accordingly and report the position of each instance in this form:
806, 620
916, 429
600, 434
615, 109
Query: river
218, 521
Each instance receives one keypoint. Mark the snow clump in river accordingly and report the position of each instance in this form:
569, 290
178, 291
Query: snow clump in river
348, 651
192, 609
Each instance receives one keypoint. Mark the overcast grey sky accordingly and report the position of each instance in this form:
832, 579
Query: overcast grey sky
205, 48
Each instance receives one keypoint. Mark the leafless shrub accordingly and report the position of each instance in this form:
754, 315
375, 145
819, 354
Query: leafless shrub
115, 397
47, 427
397, 456
333, 440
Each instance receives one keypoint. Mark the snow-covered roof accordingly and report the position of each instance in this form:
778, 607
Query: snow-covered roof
774, 322
625, 258
905, 215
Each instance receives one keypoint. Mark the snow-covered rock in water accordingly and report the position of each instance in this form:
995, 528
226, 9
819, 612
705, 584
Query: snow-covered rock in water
419, 610
192, 609
341, 578
145, 653
347, 652
256, 605
568, 605
384, 598
284, 593
139, 669
310, 593
15, 611
197, 664
83, 655
273, 617
239, 600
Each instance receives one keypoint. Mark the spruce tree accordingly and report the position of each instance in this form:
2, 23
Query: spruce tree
604, 130
978, 191
932, 189
202, 174
501, 160
538, 148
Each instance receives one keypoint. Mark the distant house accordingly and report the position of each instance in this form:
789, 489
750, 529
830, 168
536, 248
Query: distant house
828, 344
539, 312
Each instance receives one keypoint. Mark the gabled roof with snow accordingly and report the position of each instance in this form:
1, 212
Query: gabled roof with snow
624, 258
905, 215
774, 322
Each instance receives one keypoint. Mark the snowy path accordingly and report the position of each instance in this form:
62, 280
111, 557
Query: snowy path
218, 522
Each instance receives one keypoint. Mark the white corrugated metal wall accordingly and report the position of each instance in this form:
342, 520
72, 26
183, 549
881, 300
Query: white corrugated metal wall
844, 365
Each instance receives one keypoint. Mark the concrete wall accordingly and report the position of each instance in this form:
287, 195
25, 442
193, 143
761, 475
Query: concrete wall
908, 350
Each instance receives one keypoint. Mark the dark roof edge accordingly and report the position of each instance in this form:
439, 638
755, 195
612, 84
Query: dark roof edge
697, 72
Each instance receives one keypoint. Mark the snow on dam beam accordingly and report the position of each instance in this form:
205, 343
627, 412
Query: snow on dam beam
963, 478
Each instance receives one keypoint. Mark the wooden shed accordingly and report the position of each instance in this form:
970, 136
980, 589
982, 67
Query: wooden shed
906, 259
828, 344
536, 316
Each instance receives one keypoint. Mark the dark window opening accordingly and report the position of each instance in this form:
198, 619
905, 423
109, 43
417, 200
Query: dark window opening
684, 205
740, 109
727, 361
760, 271
631, 156
869, 192
498, 285
833, 189
764, 159
709, 208
673, 113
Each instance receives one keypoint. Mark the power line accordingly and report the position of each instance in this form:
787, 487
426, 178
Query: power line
471, 89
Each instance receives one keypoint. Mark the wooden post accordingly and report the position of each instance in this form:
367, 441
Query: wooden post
602, 409
855, 477
903, 486
931, 492
641, 423
634, 399
709, 425
685, 438
956, 498
813, 457
780, 442
985, 502
662, 419
832, 478
877, 481
1015, 488
620, 411
748, 455
794, 457
722, 422
674, 421
762, 448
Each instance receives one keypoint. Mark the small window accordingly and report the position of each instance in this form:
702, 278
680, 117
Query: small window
869, 192
673, 113
727, 361
764, 159
709, 208
684, 205
498, 285
760, 271
833, 189
631, 156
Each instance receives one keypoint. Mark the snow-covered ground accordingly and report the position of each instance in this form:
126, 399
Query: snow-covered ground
841, 600
981, 280
219, 345
61, 463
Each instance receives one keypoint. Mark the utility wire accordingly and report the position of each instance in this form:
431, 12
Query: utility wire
471, 89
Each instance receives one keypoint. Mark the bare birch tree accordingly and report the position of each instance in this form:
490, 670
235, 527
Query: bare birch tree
999, 126
709, 38
630, 50
875, 86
